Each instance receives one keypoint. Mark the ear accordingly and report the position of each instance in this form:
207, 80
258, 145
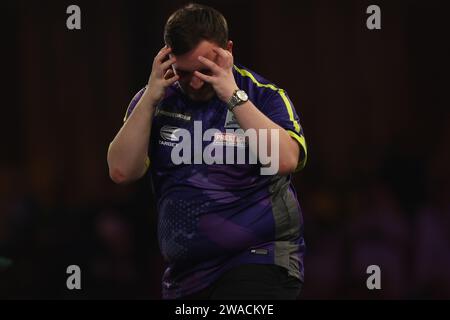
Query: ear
230, 46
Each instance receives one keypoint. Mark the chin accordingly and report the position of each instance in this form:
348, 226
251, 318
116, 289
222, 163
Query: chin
201, 96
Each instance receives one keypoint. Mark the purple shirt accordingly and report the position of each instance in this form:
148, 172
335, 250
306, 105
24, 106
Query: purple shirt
214, 217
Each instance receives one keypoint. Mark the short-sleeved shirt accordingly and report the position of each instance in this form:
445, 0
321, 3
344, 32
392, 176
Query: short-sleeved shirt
213, 217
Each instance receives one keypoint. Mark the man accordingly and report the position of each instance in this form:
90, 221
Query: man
226, 230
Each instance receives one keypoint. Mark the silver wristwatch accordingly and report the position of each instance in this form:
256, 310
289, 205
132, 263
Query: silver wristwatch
238, 97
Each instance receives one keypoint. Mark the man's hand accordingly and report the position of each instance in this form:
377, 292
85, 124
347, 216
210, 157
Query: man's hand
162, 75
221, 77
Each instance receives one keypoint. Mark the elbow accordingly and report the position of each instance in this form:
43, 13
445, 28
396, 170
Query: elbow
287, 166
117, 172
286, 170
117, 176
120, 176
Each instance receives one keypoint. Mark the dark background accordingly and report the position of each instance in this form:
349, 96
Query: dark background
373, 105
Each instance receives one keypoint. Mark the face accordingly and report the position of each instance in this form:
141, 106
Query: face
185, 66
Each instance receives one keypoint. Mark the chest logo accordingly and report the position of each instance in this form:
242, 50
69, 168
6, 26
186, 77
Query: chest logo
169, 133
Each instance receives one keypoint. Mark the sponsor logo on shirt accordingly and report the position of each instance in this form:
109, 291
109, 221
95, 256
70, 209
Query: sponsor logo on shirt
169, 135
175, 115
230, 121
229, 139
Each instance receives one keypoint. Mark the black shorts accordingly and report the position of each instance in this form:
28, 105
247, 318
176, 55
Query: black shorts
251, 282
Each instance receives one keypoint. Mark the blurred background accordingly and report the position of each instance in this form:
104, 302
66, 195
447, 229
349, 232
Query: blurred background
373, 105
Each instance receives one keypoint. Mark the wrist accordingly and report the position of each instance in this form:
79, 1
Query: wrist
149, 100
230, 93
237, 98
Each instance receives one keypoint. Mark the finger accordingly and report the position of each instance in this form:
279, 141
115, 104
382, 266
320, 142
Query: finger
221, 52
211, 65
162, 54
168, 63
162, 50
172, 80
204, 77
169, 74
224, 55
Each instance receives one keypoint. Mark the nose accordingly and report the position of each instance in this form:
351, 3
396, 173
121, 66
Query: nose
196, 83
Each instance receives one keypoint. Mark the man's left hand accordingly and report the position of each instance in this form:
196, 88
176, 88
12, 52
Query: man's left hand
221, 77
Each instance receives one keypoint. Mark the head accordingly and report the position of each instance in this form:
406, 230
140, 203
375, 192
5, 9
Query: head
192, 31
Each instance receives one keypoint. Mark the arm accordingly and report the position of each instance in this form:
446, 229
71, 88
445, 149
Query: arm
127, 153
247, 114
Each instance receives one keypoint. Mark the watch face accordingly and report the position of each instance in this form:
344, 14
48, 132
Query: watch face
242, 95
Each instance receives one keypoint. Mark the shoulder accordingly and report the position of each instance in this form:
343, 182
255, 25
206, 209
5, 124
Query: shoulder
250, 78
134, 101
172, 94
258, 88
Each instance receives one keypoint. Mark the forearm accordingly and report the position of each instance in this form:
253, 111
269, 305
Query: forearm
249, 116
129, 149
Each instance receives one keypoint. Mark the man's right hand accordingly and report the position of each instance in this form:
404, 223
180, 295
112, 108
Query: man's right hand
162, 75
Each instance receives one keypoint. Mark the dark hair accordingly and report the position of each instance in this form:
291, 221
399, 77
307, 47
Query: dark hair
193, 23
